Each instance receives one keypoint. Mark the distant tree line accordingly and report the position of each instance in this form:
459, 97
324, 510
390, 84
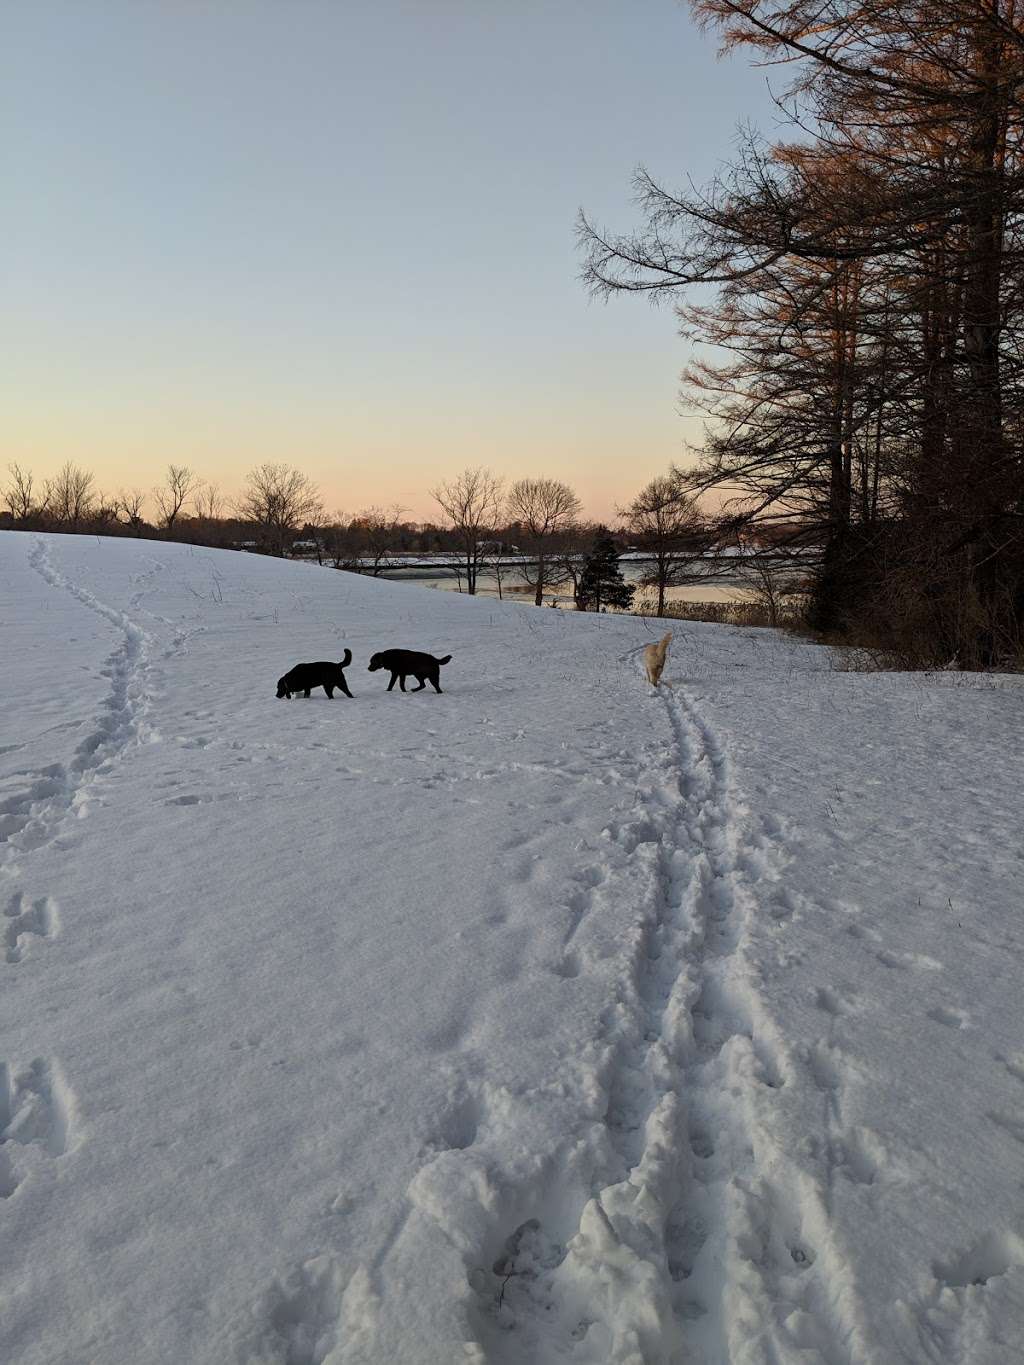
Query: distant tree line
529, 537
860, 357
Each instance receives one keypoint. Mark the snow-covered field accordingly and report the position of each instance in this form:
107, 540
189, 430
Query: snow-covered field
550, 1019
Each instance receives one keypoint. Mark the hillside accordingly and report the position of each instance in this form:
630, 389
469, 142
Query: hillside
548, 1019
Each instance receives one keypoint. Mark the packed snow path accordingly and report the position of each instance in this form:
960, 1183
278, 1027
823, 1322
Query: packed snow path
551, 1019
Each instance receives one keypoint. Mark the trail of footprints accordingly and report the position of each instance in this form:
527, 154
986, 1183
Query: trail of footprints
38, 1115
664, 1083
773, 1225
32, 817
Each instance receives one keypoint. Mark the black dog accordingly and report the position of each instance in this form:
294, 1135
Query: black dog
403, 662
304, 676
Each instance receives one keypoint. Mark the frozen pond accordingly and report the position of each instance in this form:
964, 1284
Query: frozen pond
720, 583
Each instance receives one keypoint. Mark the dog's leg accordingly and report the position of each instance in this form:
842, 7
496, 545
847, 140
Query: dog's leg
329, 690
422, 684
401, 681
437, 685
394, 679
344, 687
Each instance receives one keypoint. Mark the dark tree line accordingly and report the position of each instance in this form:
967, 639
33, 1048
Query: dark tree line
529, 539
864, 386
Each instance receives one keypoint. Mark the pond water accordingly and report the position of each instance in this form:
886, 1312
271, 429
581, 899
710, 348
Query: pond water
717, 585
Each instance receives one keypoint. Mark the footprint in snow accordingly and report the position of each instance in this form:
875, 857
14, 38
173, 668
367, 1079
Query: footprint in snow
519, 1285
830, 1001
27, 920
908, 961
37, 1107
951, 1018
988, 1258
1014, 1064
456, 1126
1009, 1123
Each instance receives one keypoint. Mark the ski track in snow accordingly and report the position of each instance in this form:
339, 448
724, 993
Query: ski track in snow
710, 1246
33, 817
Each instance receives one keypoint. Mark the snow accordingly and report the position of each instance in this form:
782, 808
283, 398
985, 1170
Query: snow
550, 1019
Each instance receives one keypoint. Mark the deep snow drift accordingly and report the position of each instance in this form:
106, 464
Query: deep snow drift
550, 1019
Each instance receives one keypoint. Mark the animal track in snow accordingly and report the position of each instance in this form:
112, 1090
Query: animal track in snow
908, 961
685, 1235
27, 920
860, 1155
860, 932
825, 1061
953, 1314
303, 1314
567, 966
991, 1256
1014, 1064
1009, 1123
456, 1126
830, 1001
951, 1018
782, 905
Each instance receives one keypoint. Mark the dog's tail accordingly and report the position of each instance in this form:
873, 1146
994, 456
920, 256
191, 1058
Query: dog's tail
446, 660
347, 659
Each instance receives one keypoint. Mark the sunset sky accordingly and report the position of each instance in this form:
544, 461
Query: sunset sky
340, 235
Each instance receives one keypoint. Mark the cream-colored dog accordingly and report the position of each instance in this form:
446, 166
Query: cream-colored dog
654, 659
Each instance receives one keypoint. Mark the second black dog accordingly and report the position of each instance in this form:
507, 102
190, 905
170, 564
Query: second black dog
325, 674
403, 663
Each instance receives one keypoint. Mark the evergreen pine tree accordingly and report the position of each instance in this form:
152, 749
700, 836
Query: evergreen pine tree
602, 583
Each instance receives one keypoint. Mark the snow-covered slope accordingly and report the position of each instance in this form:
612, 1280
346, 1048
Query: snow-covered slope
549, 1019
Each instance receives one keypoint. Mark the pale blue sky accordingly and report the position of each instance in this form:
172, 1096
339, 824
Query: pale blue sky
341, 235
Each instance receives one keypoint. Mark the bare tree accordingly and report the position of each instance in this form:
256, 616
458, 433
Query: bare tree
278, 499
664, 520
567, 558
376, 529
19, 495
543, 508
104, 514
209, 502
129, 503
339, 542
69, 495
772, 582
317, 531
180, 484
472, 503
